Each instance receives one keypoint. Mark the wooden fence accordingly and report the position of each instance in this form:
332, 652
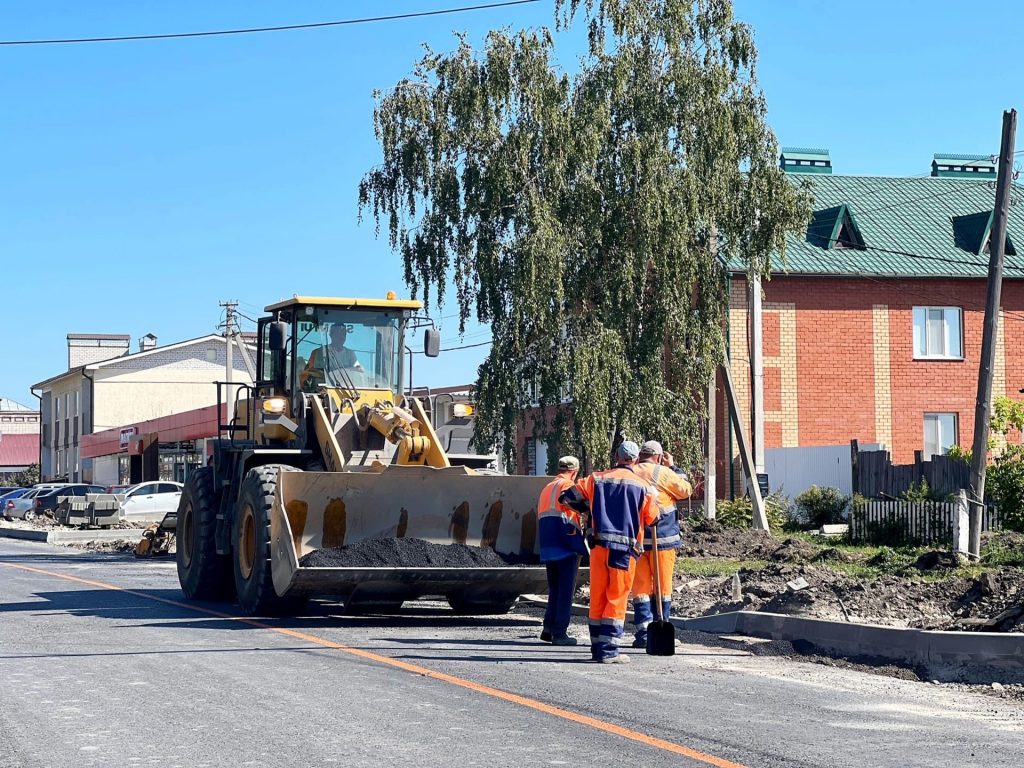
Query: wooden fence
910, 523
876, 477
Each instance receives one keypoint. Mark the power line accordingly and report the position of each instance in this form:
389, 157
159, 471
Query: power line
282, 28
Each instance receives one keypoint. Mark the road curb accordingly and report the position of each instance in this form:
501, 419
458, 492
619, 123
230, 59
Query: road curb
51, 536
946, 656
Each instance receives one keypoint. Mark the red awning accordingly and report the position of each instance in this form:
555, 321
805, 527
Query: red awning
178, 427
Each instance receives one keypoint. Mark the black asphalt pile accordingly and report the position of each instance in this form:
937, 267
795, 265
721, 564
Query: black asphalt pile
405, 553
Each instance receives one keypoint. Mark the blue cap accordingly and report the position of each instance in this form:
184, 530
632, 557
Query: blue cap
627, 451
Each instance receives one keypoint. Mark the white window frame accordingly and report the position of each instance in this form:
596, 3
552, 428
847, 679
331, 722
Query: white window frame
943, 442
923, 349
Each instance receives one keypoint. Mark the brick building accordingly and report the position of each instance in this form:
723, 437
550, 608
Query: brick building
872, 326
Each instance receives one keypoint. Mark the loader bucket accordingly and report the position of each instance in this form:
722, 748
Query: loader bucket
315, 510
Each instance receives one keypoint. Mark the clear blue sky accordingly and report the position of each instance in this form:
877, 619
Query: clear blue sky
145, 181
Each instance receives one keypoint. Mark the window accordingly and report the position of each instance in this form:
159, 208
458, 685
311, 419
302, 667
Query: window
938, 333
939, 433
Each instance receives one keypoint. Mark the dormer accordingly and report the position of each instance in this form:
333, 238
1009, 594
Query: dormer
835, 229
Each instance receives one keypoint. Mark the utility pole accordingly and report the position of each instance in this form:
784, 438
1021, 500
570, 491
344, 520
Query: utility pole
229, 337
757, 372
983, 404
710, 476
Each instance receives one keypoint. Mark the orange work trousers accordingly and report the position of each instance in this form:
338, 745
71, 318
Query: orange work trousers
643, 582
609, 587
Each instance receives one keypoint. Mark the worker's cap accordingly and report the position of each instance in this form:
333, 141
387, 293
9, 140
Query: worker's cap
569, 463
651, 448
627, 451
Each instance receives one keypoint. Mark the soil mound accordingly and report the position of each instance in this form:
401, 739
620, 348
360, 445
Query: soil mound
404, 553
936, 560
709, 539
795, 551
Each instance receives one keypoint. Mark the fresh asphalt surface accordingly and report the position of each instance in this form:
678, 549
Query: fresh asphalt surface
95, 676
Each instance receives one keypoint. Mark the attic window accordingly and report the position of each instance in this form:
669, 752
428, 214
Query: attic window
973, 233
835, 228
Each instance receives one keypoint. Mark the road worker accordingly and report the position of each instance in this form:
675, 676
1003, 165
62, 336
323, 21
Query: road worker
656, 468
620, 504
561, 545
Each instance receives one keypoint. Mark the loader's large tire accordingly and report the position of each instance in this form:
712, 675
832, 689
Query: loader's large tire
202, 573
254, 584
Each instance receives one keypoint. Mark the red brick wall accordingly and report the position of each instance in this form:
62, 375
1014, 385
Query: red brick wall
835, 357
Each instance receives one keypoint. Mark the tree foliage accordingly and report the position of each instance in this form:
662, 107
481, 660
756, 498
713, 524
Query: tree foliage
27, 478
585, 216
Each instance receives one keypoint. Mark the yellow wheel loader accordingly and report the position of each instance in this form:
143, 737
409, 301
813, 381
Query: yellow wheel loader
323, 451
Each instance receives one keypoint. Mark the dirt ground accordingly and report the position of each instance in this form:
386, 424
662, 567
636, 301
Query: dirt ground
901, 588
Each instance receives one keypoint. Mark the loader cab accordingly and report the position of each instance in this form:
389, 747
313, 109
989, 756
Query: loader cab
344, 345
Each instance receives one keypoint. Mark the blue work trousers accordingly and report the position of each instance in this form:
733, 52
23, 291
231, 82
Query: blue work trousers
561, 588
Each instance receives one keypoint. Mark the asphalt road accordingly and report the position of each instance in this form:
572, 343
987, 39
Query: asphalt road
91, 674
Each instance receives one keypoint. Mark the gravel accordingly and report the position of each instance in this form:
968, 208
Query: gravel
405, 553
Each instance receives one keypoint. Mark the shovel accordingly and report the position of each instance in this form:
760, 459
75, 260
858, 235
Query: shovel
661, 633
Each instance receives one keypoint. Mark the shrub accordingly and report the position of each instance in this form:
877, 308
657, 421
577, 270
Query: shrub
739, 513
821, 506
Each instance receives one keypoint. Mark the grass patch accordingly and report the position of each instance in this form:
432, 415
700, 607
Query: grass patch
712, 566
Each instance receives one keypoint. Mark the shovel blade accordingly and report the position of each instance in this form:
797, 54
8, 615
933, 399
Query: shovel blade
661, 638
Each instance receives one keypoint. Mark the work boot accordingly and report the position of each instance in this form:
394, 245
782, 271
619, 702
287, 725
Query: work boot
564, 640
545, 636
620, 659
640, 641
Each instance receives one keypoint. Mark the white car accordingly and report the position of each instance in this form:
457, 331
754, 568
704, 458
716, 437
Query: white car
149, 502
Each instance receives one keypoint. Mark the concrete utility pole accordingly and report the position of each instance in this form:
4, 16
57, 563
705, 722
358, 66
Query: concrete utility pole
983, 404
710, 477
229, 337
757, 372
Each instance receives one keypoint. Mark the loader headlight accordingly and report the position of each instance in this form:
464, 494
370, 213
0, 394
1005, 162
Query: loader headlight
462, 410
275, 404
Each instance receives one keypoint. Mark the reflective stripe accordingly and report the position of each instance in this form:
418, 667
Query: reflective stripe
614, 537
642, 599
622, 481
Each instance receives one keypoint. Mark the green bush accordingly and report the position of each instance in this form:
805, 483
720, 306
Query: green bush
821, 506
739, 513
1004, 484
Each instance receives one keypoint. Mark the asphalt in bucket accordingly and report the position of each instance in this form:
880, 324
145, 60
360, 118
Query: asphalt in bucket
405, 553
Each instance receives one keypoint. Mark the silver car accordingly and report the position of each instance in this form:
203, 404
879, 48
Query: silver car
23, 507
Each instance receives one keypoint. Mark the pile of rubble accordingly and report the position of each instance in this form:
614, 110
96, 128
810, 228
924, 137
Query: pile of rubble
800, 578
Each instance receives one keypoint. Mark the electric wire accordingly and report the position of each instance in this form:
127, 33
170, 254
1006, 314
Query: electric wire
281, 28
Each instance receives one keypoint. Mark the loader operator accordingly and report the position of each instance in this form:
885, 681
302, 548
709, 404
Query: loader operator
561, 546
336, 355
655, 467
620, 504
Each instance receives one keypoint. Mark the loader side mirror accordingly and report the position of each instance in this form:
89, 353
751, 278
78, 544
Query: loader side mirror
432, 342
278, 336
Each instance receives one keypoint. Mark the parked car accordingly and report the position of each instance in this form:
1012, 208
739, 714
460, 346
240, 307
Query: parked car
149, 502
5, 489
15, 493
46, 500
17, 507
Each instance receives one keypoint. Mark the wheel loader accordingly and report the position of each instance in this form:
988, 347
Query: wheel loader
323, 451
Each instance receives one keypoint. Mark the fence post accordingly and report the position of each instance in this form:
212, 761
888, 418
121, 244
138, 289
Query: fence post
960, 523
854, 468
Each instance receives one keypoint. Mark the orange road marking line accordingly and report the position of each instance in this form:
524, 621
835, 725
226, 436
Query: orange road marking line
497, 693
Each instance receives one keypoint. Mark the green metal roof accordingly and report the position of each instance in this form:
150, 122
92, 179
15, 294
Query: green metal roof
907, 228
